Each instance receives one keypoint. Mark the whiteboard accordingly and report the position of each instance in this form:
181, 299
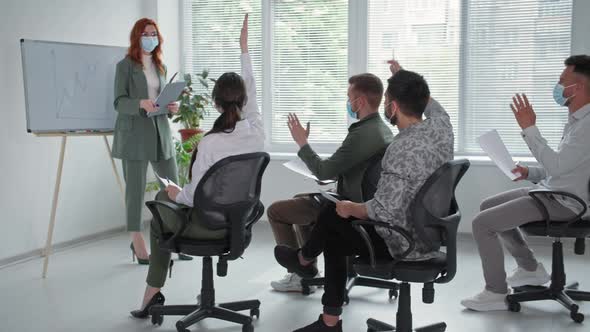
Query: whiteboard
69, 87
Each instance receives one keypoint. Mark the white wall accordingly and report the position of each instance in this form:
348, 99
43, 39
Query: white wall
90, 200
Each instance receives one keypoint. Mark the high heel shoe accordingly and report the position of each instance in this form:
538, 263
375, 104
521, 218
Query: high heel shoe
140, 261
157, 299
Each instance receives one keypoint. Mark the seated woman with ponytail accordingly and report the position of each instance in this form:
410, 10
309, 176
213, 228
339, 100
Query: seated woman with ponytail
238, 129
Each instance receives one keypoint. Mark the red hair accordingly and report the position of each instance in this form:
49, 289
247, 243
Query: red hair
134, 51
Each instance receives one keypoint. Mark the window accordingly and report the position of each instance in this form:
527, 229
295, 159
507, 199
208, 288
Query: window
513, 46
211, 40
424, 38
474, 54
310, 68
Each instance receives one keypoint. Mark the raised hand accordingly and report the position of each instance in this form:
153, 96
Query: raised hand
244, 35
523, 111
298, 133
394, 66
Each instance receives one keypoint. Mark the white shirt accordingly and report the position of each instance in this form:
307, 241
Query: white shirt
151, 76
568, 168
247, 137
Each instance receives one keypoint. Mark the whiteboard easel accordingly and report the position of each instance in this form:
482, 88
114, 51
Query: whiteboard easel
64, 137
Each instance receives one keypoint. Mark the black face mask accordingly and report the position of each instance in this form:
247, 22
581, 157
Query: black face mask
392, 119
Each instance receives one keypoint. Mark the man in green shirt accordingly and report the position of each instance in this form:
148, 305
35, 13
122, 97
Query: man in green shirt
293, 219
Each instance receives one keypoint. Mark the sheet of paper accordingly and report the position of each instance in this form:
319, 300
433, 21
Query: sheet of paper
165, 181
329, 197
298, 166
491, 143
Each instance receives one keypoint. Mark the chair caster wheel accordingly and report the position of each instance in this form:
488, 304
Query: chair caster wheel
180, 327
514, 306
255, 312
305, 290
393, 294
157, 319
577, 317
248, 328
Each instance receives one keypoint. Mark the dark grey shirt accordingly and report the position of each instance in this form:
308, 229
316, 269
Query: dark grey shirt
414, 155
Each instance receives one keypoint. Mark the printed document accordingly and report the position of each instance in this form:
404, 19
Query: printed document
491, 143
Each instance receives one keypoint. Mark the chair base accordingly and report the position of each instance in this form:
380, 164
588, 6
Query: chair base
565, 296
196, 313
557, 290
404, 317
374, 325
206, 307
354, 280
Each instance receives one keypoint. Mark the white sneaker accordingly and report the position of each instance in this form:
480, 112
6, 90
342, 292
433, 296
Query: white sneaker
521, 277
290, 283
486, 301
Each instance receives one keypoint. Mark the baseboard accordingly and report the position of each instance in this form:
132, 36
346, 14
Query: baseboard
34, 254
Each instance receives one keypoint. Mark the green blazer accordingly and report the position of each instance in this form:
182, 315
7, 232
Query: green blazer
136, 135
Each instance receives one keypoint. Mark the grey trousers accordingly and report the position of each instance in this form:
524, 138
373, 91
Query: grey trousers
500, 217
135, 172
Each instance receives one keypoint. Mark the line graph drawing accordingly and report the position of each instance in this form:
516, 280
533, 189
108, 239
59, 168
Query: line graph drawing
80, 88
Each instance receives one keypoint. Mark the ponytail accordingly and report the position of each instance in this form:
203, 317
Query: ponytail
226, 122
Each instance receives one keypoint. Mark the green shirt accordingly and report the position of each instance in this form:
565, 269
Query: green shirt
365, 138
136, 136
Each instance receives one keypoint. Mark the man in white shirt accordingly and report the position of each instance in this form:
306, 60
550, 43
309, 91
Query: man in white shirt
565, 169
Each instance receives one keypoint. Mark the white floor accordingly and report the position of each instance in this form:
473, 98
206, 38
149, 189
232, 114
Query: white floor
94, 286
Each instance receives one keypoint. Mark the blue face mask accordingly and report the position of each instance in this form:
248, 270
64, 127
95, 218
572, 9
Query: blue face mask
558, 90
149, 43
349, 110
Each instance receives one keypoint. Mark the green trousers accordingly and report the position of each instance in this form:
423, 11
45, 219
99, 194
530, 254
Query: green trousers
160, 259
135, 172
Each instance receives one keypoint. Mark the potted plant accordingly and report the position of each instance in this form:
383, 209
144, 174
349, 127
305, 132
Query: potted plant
193, 105
183, 160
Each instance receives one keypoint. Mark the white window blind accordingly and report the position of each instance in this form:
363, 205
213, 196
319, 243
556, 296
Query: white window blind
310, 68
211, 40
425, 37
514, 46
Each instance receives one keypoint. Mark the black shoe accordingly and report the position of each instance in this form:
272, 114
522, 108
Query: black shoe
157, 299
289, 259
320, 326
183, 257
140, 261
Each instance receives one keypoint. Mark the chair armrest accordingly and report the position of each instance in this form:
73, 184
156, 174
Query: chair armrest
325, 182
357, 225
538, 193
322, 200
179, 210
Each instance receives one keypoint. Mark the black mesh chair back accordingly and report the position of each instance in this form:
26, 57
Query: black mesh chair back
228, 195
434, 210
228, 188
371, 176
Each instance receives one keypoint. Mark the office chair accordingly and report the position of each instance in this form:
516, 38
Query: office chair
227, 198
435, 216
576, 228
368, 187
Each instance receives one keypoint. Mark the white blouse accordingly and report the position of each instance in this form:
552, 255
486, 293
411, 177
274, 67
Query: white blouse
151, 76
247, 137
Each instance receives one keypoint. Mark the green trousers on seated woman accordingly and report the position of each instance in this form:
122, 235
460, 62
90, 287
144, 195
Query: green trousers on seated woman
160, 259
